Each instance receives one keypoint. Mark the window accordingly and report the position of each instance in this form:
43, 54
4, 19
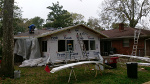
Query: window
86, 43
92, 45
65, 45
44, 46
126, 43
69, 45
61, 45
89, 44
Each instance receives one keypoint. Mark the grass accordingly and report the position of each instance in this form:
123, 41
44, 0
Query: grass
37, 75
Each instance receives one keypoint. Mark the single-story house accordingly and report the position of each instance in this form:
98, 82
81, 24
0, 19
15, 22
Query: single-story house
59, 45
121, 41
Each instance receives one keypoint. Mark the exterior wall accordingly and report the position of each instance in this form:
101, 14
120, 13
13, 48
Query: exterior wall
147, 48
118, 44
52, 44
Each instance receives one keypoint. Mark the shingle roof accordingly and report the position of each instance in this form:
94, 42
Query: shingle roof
127, 32
43, 33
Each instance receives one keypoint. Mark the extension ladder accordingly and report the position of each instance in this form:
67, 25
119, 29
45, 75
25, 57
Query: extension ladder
136, 37
82, 45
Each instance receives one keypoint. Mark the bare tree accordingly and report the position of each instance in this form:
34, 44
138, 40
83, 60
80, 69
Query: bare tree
128, 11
94, 24
7, 69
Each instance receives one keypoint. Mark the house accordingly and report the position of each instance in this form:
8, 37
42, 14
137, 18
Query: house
59, 45
121, 41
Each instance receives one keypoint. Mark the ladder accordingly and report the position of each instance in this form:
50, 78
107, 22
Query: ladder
136, 37
68, 53
82, 45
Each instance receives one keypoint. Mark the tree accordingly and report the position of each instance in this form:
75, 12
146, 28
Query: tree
58, 17
7, 69
77, 18
17, 16
38, 21
94, 24
127, 11
19, 25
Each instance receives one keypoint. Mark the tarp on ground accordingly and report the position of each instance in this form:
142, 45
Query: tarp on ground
34, 62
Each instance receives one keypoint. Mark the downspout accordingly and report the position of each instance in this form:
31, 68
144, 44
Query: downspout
145, 45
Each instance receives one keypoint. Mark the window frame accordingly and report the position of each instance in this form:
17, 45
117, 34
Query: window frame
126, 43
66, 45
91, 45
44, 46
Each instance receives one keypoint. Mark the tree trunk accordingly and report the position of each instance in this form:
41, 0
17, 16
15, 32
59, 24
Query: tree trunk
7, 69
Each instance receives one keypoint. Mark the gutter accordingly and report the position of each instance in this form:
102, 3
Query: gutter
125, 37
24, 37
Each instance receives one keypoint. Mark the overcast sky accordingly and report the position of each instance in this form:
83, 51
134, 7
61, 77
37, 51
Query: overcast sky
32, 8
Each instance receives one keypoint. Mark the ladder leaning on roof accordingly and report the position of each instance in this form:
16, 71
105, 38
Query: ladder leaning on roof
136, 37
82, 45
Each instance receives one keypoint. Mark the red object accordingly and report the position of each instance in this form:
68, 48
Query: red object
47, 69
0, 61
114, 60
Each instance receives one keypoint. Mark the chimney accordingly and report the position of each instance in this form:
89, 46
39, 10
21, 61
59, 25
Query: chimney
121, 27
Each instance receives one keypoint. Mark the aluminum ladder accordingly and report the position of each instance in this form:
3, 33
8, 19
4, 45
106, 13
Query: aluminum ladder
82, 45
136, 37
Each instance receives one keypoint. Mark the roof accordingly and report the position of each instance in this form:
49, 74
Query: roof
43, 33
126, 33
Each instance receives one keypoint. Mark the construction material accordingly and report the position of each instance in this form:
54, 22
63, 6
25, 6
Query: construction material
135, 45
144, 64
71, 65
134, 57
75, 64
100, 61
34, 62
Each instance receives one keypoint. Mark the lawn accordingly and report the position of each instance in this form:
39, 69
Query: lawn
37, 75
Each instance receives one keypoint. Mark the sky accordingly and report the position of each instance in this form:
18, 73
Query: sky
32, 8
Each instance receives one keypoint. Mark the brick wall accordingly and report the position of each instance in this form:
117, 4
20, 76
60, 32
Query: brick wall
118, 44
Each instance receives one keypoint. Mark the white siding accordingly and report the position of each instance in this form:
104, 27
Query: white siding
52, 48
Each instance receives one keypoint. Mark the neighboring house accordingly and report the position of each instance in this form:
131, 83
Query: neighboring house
121, 41
55, 43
